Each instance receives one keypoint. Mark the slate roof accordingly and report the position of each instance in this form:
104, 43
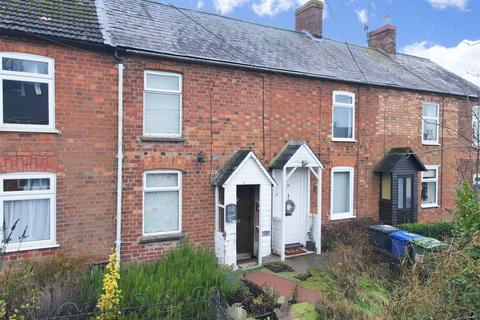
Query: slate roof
395, 156
230, 167
149, 26
161, 28
285, 154
70, 19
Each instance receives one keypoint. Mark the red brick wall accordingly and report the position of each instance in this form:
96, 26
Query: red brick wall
82, 154
223, 110
227, 109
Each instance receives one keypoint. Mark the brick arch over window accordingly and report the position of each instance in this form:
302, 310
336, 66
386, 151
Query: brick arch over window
34, 163
174, 163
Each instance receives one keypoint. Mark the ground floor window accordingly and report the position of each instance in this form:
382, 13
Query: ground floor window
342, 193
27, 210
430, 187
162, 202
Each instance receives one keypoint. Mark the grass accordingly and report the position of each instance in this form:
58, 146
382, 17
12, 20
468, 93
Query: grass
305, 311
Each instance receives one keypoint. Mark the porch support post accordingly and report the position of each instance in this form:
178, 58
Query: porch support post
319, 211
284, 191
216, 208
260, 210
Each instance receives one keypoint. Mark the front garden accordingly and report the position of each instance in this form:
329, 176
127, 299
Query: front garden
353, 282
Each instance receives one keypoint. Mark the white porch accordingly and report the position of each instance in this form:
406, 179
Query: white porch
293, 223
243, 210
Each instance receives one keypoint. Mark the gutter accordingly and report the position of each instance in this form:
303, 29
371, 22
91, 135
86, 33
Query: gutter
118, 241
222, 63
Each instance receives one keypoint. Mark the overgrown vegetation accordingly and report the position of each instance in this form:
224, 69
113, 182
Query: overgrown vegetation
439, 230
467, 217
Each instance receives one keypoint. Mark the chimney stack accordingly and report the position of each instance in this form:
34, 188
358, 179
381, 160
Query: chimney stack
309, 18
384, 38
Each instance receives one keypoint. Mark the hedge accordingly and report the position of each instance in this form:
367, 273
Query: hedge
437, 230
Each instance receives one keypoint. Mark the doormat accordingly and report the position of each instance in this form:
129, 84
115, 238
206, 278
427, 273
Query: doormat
295, 251
246, 264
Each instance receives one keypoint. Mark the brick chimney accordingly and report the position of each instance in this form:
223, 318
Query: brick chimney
384, 38
309, 18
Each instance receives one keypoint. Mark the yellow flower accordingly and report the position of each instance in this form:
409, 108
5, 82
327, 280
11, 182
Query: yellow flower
109, 302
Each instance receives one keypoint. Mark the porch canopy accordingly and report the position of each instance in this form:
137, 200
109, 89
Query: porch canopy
292, 221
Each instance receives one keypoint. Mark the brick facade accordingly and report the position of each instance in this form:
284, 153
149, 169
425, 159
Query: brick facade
224, 109
227, 109
81, 154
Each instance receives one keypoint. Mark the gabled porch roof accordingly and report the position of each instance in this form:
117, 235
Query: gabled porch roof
295, 153
397, 155
234, 165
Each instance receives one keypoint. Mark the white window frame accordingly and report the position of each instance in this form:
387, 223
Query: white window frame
32, 77
31, 195
475, 185
344, 215
343, 105
156, 189
179, 92
476, 124
431, 120
436, 180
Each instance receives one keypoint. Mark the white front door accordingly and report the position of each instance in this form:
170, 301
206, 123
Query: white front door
296, 191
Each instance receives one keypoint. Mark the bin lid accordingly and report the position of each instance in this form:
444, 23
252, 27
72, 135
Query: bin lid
428, 243
383, 228
404, 235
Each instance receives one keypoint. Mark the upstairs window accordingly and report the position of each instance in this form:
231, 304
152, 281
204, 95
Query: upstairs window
162, 202
27, 205
343, 119
430, 187
162, 104
27, 100
476, 126
430, 123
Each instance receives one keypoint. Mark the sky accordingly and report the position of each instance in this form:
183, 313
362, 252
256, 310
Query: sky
445, 31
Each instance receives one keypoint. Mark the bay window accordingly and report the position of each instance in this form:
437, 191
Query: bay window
343, 116
430, 123
162, 104
341, 206
27, 210
27, 100
430, 187
162, 202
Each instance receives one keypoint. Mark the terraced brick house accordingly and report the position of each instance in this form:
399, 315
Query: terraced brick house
136, 124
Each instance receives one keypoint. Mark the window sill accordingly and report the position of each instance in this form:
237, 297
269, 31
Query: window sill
342, 217
426, 143
161, 238
344, 140
29, 130
27, 247
162, 139
429, 206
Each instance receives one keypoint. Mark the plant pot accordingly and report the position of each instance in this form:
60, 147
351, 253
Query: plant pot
310, 245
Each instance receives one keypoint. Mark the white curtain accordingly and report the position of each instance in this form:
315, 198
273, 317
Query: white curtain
32, 215
162, 113
161, 211
341, 192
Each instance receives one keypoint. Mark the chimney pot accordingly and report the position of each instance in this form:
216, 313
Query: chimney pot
309, 18
384, 38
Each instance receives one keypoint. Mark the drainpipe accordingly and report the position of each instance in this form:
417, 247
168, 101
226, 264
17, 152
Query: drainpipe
118, 241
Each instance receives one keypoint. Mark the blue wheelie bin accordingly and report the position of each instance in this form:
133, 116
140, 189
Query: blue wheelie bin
401, 243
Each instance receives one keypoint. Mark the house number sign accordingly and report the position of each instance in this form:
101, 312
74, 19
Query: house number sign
231, 213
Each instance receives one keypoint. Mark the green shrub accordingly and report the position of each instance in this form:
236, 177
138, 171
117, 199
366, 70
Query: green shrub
467, 216
437, 230
449, 288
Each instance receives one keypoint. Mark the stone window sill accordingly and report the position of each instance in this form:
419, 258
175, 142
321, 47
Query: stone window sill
161, 238
161, 139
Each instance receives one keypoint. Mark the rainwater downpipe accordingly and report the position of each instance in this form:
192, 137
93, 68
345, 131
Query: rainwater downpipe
118, 241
